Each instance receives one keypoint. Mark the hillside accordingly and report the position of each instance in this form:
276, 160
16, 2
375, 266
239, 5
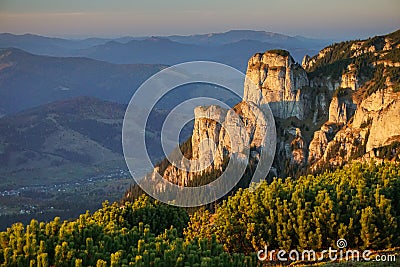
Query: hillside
82, 131
364, 76
51, 154
311, 212
28, 80
65, 151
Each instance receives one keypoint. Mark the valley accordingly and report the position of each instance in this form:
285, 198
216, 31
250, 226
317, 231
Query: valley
45, 201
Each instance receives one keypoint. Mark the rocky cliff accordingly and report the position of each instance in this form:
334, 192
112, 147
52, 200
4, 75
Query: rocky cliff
338, 106
364, 111
220, 134
278, 81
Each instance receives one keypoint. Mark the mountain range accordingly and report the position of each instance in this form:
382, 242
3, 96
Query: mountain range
36, 70
28, 80
232, 47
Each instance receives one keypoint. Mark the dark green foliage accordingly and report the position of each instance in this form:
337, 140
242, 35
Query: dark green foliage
389, 152
157, 215
98, 131
334, 69
394, 74
378, 81
110, 237
361, 147
366, 123
336, 59
280, 52
360, 203
185, 148
377, 41
340, 92
364, 66
393, 55
208, 177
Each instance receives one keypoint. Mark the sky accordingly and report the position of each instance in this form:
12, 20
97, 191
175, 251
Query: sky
333, 19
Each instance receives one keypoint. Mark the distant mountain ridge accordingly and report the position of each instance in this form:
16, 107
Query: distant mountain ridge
157, 49
43, 45
233, 36
44, 69
217, 47
28, 80
218, 38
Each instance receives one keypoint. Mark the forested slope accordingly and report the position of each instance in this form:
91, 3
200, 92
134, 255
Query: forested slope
359, 203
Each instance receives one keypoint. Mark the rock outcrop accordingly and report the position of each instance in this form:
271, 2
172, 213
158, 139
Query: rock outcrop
349, 78
335, 108
206, 135
219, 134
374, 124
364, 111
341, 109
319, 143
298, 150
380, 112
274, 78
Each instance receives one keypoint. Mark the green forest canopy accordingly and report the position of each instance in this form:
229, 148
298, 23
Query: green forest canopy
359, 203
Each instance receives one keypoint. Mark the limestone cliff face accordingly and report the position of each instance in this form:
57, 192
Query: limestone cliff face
341, 105
341, 109
298, 150
219, 133
319, 143
364, 111
349, 78
206, 134
380, 112
375, 124
359, 48
325, 82
274, 78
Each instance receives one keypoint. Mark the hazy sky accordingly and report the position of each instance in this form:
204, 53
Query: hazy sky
338, 19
